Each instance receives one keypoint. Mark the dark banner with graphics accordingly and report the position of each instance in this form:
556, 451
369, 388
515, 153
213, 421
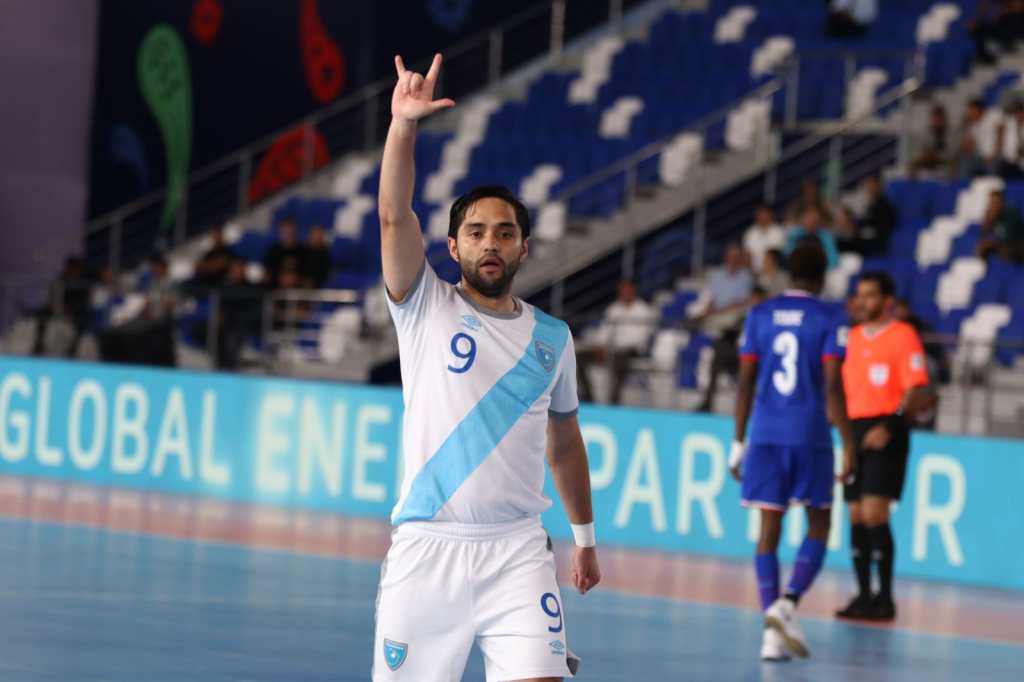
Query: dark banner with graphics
181, 83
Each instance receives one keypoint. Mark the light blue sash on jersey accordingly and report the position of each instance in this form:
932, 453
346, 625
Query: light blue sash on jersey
479, 433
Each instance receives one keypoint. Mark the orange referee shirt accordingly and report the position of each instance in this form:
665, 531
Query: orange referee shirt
880, 367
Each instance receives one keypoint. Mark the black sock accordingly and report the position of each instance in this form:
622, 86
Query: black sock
883, 551
860, 550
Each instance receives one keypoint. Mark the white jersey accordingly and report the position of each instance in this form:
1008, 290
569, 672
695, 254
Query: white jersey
478, 388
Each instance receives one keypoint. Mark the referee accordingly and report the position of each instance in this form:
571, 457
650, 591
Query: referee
886, 381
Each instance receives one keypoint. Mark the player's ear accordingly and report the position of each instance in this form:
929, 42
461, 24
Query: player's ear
525, 249
453, 249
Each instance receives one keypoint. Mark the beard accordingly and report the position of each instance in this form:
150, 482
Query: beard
491, 288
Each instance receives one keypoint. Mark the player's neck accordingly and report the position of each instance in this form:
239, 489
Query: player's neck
505, 303
876, 325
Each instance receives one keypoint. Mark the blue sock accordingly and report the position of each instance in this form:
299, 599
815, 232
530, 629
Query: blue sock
767, 568
809, 559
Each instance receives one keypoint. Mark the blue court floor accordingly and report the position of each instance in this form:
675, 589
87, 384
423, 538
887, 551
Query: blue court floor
85, 604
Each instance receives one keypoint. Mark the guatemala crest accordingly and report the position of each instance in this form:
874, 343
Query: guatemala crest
395, 653
546, 355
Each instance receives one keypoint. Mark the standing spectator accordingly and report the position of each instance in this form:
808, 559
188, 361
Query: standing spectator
773, 278
287, 247
1010, 142
811, 226
872, 230
849, 18
68, 296
970, 158
933, 151
1002, 231
763, 235
240, 311
317, 259
625, 333
212, 267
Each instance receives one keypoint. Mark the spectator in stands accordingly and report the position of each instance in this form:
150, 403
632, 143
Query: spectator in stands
773, 279
812, 226
287, 247
317, 259
934, 148
871, 231
68, 296
1010, 142
763, 235
969, 159
997, 23
726, 355
1002, 230
849, 18
212, 267
240, 313
625, 333
809, 196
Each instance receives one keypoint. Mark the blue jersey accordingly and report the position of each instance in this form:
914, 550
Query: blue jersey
790, 336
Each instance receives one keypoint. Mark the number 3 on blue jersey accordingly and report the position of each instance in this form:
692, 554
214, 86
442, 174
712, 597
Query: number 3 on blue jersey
788, 347
464, 348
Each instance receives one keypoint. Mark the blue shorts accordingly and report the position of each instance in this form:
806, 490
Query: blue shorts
776, 476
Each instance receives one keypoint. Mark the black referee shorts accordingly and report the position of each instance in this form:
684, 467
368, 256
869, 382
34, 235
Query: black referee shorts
879, 472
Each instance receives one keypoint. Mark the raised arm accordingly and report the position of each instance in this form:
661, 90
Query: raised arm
400, 235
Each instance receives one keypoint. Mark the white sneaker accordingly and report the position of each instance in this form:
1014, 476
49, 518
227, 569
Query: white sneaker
781, 618
773, 646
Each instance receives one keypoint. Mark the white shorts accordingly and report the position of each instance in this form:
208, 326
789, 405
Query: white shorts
444, 586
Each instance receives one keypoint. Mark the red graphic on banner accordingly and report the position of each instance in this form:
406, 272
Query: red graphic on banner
322, 58
285, 161
205, 22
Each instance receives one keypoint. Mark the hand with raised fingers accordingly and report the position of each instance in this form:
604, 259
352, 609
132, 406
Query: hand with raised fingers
413, 97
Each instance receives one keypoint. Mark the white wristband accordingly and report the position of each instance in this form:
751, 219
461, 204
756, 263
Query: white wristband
584, 534
736, 454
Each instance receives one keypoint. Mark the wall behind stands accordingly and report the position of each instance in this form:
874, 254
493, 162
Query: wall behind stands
660, 478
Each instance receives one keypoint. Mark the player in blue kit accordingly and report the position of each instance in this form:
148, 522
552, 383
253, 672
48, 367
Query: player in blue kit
790, 387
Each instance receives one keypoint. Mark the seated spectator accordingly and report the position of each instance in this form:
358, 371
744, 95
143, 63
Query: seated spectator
970, 156
1010, 142
68, 296
723, 301
933, 149
1002, 230
773, 279
287, 246
625, 333
212, 267
849, 18
870, 232
809, 196
763, 235
811, 226
725, 354
997, 24
317, 260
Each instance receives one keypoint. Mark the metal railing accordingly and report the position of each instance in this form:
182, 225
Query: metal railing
622, 176
358, 122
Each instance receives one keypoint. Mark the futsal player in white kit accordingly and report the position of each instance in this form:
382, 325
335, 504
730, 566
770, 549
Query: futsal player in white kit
489, 385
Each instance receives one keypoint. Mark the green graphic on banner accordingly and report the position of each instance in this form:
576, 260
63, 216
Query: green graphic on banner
167, 87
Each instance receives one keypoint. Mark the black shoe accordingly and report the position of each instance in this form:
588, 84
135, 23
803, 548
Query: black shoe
859, 608
883, 608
